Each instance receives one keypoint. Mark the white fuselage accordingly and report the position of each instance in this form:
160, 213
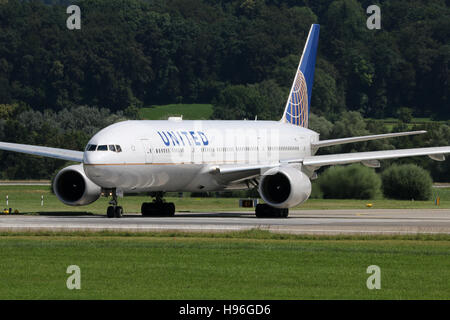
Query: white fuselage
179, 155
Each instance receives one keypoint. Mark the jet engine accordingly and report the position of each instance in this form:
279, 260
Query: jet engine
284, 187
73, 187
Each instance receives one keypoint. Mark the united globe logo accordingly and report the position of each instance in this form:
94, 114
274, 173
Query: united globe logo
297, 111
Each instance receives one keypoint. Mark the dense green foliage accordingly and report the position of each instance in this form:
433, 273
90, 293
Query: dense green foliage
188, 111
407, 182
147, 52
264, 100
239, 55
349, 182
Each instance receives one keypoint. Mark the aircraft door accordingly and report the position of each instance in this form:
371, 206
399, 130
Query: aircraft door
148, 150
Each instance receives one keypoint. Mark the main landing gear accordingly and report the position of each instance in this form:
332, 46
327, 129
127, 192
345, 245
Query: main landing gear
114, 211
158, 208
263, 210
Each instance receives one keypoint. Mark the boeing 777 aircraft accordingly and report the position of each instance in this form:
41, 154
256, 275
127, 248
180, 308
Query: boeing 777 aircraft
155, 157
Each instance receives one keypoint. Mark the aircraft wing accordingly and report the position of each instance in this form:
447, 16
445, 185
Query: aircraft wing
435, 153
56, 153
334, 142
368, 158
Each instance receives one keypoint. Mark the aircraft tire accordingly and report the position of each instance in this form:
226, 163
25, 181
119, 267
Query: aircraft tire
118, 212
110, 212
151, 209
169, 209
263, 210
146, 209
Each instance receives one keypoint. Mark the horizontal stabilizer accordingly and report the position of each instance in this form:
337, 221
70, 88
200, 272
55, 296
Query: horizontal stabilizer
56, 153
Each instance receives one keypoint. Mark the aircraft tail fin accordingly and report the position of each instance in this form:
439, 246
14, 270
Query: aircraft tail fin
297, 105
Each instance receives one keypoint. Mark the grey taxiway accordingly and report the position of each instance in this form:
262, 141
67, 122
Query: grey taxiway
366, 221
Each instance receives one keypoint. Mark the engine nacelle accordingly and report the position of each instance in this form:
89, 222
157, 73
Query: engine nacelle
284, 187
73, 187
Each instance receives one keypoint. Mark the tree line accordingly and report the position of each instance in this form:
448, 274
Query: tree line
59, 86
72, 129
146, 52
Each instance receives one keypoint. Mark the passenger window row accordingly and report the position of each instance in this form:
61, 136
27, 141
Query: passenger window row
104, 147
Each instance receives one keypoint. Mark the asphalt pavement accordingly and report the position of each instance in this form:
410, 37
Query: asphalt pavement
365, 221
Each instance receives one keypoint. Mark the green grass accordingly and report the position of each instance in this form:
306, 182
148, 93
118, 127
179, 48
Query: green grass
188, 111
27, 199
251, 265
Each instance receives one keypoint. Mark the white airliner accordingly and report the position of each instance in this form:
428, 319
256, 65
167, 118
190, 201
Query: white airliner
177, 155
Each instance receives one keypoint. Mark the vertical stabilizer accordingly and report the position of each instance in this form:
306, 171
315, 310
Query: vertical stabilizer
297, 106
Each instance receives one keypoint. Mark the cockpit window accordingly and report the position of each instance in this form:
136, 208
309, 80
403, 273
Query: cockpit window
104, 147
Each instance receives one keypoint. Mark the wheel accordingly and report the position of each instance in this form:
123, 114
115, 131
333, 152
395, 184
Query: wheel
110, 212
145, 208
156, 209
263, 210
150, 209
169, 209
118, 212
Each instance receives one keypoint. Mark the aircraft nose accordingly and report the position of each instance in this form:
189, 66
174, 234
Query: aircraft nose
98, 157
88, 157
94, 157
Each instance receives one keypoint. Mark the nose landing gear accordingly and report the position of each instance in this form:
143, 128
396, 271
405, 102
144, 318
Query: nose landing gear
114, 211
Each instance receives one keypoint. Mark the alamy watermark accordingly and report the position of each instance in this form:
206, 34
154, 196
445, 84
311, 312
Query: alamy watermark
374, 21
73, 22
74, 280
374, 281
